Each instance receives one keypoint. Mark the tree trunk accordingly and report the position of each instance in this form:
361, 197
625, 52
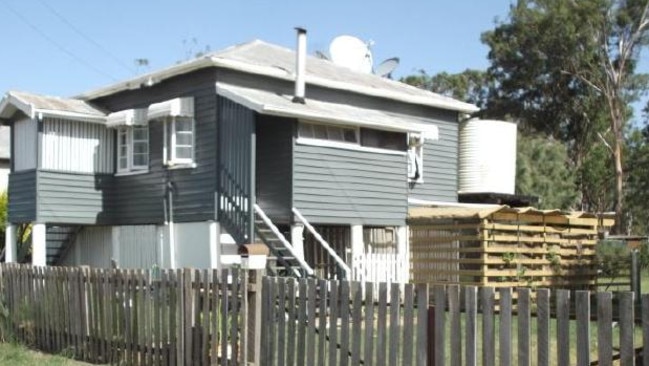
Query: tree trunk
620, 226
617, 121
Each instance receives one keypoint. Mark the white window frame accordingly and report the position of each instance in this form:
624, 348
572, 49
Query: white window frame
170, 143
129, 150
415, 157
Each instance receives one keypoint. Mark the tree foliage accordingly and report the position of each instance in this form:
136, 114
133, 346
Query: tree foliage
567, 68
542, 170
471, 86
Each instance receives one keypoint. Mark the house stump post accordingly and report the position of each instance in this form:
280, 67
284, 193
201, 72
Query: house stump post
39, 244
11, 255
297, 239
253, 303
358, 249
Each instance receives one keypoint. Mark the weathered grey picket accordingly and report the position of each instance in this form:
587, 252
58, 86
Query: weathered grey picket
472, 325
190, 317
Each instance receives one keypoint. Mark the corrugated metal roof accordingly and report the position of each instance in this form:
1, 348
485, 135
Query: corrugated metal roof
482, 212
269, 103
258, 57
32, 104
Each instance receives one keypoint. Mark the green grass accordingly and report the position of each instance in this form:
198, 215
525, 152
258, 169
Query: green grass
18, 355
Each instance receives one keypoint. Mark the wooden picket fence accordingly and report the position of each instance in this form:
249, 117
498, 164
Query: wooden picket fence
165, 317
190, 317
315, 322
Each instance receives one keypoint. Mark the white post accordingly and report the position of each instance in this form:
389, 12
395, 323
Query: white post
10, 244
172, 245
39, 245
115, 239
358, 249
404, 255
214, 244
297, 239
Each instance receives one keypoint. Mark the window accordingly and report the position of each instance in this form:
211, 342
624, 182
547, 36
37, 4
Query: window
328, 132
415, 158
380, 139
132, 148
179, 141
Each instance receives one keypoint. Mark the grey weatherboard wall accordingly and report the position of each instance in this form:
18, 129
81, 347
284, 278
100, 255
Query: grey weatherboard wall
74, 198
341, 186
140, 198
440, 166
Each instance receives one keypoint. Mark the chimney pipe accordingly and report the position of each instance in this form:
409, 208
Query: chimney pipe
300, 66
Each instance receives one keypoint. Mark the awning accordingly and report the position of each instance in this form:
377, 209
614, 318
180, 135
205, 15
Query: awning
274, 104
127, 117
177, 107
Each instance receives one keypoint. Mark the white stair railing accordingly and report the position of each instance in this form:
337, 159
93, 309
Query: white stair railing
305, 266
341, 263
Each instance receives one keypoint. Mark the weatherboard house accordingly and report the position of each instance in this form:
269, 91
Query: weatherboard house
255, 143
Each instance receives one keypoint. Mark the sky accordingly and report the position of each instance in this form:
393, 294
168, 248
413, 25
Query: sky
67, 47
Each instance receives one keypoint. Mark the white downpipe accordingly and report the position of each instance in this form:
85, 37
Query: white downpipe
285, 242
325, 245
172, 233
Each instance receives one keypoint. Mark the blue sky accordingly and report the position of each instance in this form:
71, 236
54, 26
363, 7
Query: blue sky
67, 47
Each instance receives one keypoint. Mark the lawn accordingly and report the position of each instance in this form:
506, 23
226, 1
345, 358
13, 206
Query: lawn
17, 355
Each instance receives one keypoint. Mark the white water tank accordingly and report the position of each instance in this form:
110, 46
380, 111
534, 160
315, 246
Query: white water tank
487, 156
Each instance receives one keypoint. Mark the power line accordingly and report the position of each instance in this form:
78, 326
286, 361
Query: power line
86, 37
56, 44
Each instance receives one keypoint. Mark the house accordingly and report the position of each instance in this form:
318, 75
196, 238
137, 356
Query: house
181, 166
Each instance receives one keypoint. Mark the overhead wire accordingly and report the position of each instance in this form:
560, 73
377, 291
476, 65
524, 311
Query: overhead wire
83, 35
56, 44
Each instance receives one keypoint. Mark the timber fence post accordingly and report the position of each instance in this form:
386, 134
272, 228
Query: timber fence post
252, 314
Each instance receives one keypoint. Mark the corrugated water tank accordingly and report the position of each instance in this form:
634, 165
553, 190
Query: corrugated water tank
487, 156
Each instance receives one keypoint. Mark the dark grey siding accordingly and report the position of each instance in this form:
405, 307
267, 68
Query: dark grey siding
440, 157
74, 198
274, 162
339, 186
140, 199
22, 196
440, 166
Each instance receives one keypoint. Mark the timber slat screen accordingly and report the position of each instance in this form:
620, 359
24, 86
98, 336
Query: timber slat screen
504, 247
131, 317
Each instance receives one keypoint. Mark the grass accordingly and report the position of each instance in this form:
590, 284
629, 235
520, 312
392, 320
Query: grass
18, 355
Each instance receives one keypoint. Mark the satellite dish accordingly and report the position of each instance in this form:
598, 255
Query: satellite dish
386, 67
352, 53
321, 55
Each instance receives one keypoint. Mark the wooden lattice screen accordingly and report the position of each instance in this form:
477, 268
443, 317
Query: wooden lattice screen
504, 247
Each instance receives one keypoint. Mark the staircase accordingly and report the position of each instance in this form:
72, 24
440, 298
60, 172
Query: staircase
283, 260
59, 242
